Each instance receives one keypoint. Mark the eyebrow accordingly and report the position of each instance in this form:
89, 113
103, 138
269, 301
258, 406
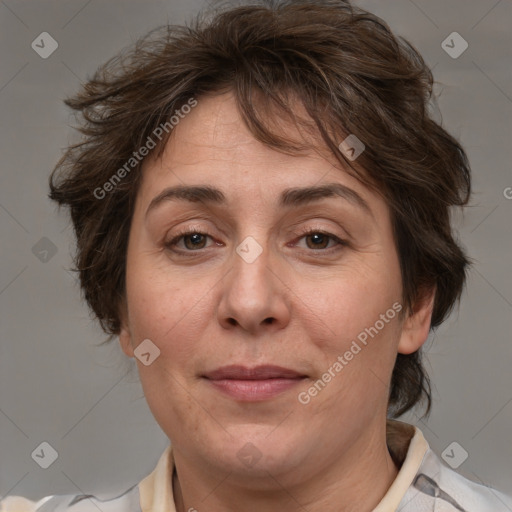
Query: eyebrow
296, 196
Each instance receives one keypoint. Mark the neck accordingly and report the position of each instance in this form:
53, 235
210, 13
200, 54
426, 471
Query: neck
357, 481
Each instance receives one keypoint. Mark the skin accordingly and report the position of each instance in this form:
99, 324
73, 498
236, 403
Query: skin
295, 306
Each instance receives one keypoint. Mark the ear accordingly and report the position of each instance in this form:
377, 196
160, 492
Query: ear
416, 326
125, 336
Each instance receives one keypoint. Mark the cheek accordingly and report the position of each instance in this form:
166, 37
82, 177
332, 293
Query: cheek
173, 316
348, 303
172, 403
169, 312
347, 323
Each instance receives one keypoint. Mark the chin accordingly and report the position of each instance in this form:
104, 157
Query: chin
257, 452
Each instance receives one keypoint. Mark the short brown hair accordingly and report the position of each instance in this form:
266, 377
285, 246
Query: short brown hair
351, 74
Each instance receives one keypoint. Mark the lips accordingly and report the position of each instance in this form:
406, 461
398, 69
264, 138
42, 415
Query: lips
263, 372
253, 384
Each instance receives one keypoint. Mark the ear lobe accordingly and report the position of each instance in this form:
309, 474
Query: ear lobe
125, 337
416, 326
125, 340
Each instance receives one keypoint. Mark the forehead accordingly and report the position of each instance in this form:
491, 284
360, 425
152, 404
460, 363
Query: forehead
211, 145
215, 129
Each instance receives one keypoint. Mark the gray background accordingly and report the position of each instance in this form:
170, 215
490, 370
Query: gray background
57, 386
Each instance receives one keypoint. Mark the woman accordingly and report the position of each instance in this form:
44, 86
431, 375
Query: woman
261, 204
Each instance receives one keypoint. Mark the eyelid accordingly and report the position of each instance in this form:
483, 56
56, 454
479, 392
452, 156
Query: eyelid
181, 234
340, 242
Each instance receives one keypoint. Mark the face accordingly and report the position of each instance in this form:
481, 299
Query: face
274, 309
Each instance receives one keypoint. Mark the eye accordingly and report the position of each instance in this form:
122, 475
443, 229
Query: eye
193, 240
319, 240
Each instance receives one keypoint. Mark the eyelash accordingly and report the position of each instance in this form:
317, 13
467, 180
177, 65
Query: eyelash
303, 233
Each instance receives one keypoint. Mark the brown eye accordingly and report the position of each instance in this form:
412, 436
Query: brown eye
318, 240
194, 241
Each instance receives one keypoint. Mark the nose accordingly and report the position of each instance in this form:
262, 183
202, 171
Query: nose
254, 297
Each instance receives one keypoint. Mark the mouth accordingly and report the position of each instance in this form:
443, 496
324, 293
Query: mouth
253, 384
